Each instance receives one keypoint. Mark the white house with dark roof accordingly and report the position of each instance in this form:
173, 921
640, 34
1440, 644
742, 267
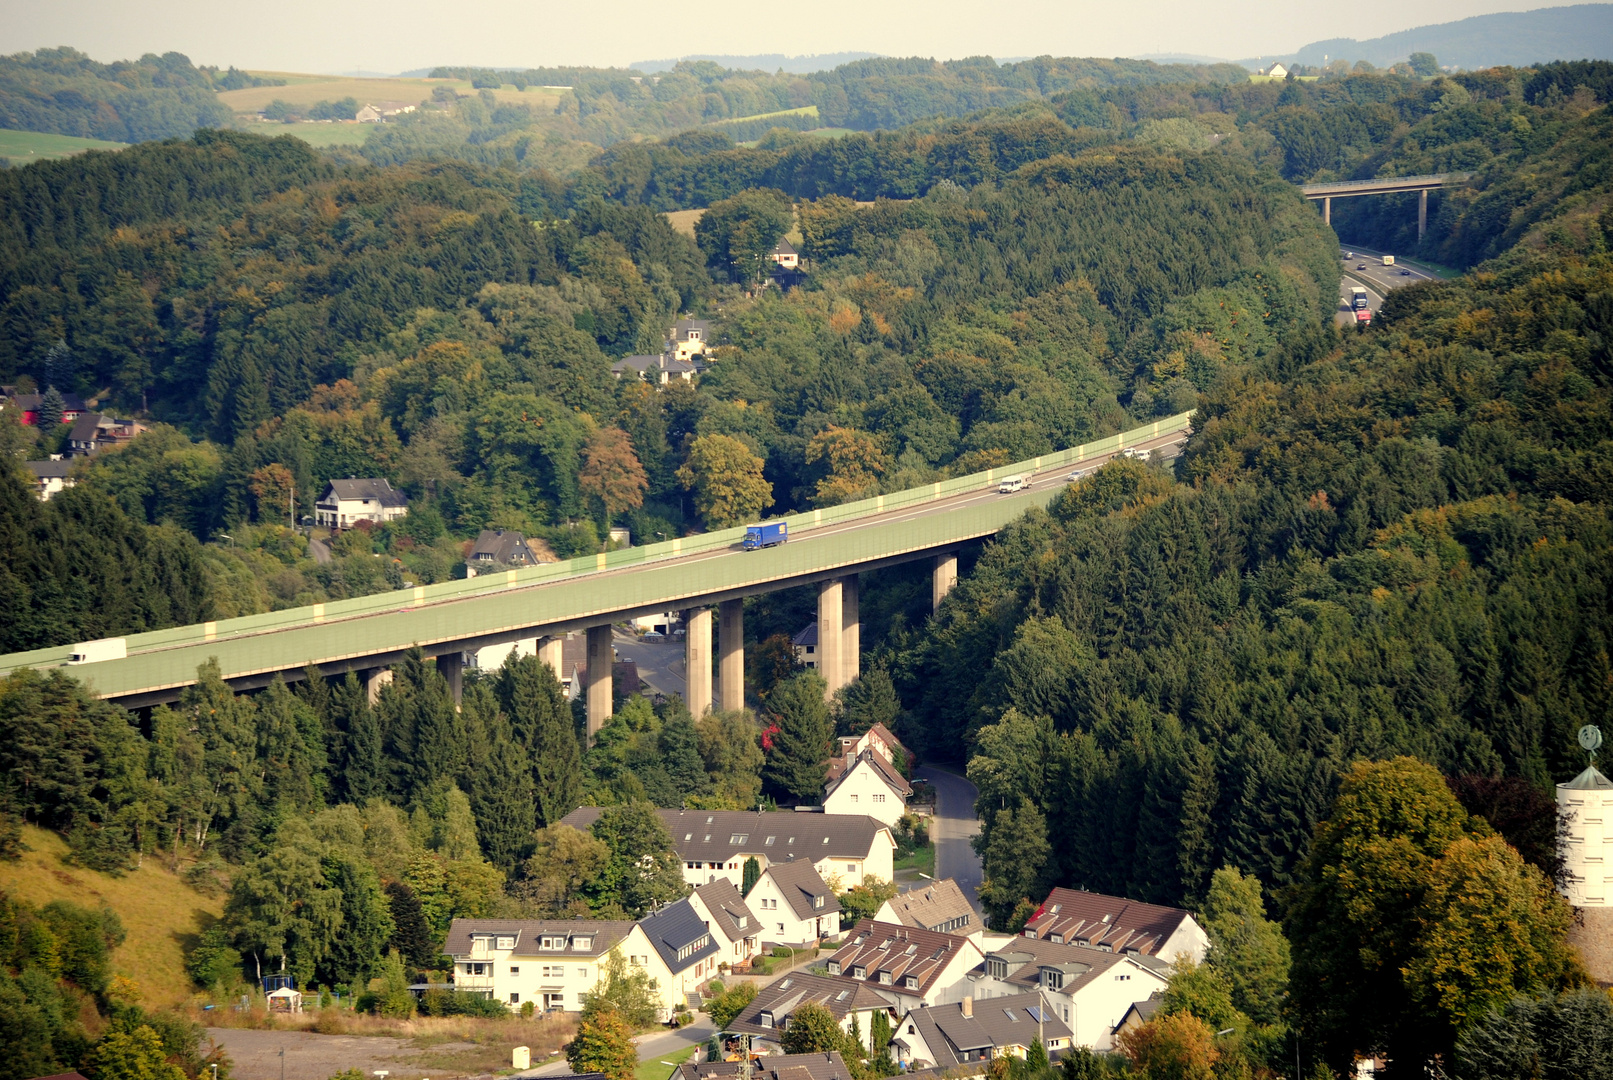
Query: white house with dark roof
690, 337
1089, 989
730, 920
785, 254
549, 962
908, 967
939, 906
870, 785
659, 370
796, 907
971, 1031
501, 548
715, 843
767, 1017
1113, 923
686, 953
50, 476
345, 503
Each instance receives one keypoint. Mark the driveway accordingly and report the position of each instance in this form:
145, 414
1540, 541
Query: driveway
951, 828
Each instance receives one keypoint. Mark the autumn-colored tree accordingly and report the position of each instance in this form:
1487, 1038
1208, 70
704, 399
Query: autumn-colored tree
611, 472
1175, 1047
852, 461
603, 1045
726, 479
273, 486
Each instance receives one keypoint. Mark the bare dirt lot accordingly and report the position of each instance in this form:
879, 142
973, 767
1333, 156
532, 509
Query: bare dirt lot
310, 1056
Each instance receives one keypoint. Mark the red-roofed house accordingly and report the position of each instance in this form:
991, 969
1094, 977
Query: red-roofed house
1115, 924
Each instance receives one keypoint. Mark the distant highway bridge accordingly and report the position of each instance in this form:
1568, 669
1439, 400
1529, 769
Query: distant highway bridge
827, 548
1386, 185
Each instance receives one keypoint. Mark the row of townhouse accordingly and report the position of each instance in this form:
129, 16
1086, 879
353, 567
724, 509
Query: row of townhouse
1085, 965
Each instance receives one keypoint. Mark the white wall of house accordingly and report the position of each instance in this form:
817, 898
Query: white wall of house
864, 791
1094, 1009
734, 951
848, 868
549, 978
1190, 939
780, 924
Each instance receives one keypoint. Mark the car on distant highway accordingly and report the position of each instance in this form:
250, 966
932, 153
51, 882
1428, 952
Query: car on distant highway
1011, 484
1361, 266
1349, 254
1405, 273
1079, 474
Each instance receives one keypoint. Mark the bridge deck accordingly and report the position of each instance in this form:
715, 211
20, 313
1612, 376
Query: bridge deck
559, 597
1381, 186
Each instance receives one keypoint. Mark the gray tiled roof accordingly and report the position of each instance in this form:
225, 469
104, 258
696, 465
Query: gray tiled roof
527, 932
1080, 964
900, 952
995, 1023
783, 997
674, 927
800, 884
722, 835
501, 546
1097, 919
773, 1067
44, 469
876, 761
373, 488
722, 898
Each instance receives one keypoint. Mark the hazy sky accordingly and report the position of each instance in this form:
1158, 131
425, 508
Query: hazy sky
342, 35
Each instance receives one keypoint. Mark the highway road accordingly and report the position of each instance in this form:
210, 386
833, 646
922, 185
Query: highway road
1365, 268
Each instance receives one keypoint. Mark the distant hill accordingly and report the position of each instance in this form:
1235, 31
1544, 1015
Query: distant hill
1516, 38
793, 65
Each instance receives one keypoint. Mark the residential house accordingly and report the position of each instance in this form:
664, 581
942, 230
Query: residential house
95, 431
806, 646
686, 954
1089, 989
500, 549
716, 843
549, 962
976, 1031
939, 906
73, 407
828, 1066
768, 1015
1078, 917
690, 337
796, 907
345, 503
730, 920
1277, 71
908, 967
786, 256
369, 114
1139, 1014
50, 476
659, 370
870, 785
877, 739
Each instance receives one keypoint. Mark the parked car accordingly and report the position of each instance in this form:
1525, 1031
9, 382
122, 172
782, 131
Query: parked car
653, 635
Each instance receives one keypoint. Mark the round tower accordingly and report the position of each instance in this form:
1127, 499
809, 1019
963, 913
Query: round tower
1585, 806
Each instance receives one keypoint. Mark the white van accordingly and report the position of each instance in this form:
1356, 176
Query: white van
1011, 484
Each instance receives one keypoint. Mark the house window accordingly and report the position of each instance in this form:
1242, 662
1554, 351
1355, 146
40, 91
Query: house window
766, 1019
1122, 978
744, 921
515, 969
1052, 980
997, 969
506, 943
1057, 939
582, 944
834, 967
552, 943
854, 798
582, 973
768, 842
739, 838
817, 902
515, 999
884, 978
859, 972
851, 868
911, 982
879, 798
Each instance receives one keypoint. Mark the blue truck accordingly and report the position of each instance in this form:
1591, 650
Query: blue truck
766, 535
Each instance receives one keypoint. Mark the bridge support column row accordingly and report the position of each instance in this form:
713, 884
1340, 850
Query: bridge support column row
942, 578
731, 654
601, 658
697, 661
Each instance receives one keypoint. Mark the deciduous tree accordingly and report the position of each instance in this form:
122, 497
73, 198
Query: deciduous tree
726, 479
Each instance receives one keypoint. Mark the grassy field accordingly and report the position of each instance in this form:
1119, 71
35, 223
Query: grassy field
805, 110
683, 221
25, 146
320, 135
160, 912
653, 1069
307, 89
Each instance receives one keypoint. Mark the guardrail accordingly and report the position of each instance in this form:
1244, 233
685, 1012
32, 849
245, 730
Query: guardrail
488, 585
1409, 182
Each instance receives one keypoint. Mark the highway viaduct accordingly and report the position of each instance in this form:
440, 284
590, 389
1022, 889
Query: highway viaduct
828, 548
1388, 185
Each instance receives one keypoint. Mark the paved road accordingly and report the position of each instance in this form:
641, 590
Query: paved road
660, 663
951, 827
651, 1047
1365, 268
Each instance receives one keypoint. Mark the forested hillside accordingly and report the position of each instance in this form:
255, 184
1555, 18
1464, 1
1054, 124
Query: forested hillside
156, 97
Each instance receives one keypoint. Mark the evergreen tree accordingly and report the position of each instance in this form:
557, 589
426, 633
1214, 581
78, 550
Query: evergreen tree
498, 780
799, 759
291, 748
423, 739
411, 936
541, 722
51, 408
367, 926
750, 875
867, 700
363, 753
680, 753
1012, 852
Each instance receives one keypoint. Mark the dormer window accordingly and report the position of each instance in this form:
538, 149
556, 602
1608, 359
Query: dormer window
911, 982
884, 978
817, 902
1057, 939
766, 1019
506, 943
743, 922
997, 969
582, 944
834, 967
552, 942
1052, 980
859, 972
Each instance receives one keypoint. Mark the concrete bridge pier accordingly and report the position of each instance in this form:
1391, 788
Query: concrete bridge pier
601, 659
697, 661
452, 667
374, 679
850, 630
831, 622
942, 578
1422, 213
731, 653
551, 651
1327, 211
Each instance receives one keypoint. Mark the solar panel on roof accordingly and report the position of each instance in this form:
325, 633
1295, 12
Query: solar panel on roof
1036, 1013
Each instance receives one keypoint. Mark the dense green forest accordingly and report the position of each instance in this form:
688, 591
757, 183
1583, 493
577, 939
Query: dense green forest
156, 97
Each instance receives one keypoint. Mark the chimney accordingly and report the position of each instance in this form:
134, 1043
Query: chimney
968, 1006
